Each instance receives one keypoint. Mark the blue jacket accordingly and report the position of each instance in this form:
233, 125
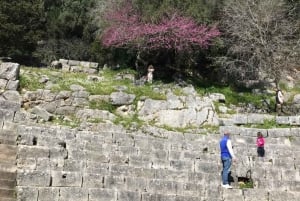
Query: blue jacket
224, 149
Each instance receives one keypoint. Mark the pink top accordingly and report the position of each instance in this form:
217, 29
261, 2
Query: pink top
260, 141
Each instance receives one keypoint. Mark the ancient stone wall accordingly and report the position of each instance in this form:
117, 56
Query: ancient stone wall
76, 66
109, 163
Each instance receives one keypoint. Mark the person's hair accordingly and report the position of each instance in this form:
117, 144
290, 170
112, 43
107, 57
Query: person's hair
259, 134
226, 133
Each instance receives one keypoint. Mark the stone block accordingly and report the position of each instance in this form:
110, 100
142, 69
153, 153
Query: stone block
12, 105
57, 164
282, 120
9, 71
182, 165
34, 178
290, 174
240, 119
195, 177
63, 61
213, 191
294, 120
73, 63
27, 193
158, 197
255, 194
100, 168
140, 161
42, 113
94, 146
233, 130
293, 185
205, 167
74, 165
279, 132
102, 194
136, 184
129, 195
282, 195
121, 170
175, 155
6, 115
160, 164
42, 164
76, 154
162, 186
143, 172
96, 156
33, 152
58, 153
3, 84
26, 163
85, 64
233, 194
66, 179
93, 180
191, 189
73, 194
48, 194
170, 175
117, 158
114, 182
123, 139
94, 65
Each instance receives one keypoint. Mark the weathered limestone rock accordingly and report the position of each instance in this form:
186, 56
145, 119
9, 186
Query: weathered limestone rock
88, 114
121, 98
42, 113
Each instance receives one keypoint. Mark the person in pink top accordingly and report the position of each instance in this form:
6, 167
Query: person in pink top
260, 142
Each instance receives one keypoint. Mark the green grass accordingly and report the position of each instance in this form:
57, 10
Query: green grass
73, 122
102, 105
246, 185
127, 122
268, 124
30, 82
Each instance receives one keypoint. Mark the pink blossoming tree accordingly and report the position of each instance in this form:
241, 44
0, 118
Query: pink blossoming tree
173, 33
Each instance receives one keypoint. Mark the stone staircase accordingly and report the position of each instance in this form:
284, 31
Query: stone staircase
57, 163
8, 152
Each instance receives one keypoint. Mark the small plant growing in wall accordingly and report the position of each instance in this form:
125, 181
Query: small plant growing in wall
243, 185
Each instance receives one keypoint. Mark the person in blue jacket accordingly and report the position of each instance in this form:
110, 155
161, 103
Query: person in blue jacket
227, 156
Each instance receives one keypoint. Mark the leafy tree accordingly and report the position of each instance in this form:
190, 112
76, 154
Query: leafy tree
171, 36
202, 11
21, 27
70, 34
262, 39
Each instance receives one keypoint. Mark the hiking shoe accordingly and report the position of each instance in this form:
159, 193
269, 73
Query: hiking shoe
227, 186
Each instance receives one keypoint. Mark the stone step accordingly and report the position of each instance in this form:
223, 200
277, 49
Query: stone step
8, 184
8, 175
7, 193
8, 153
8, 137
9, 199
8, 167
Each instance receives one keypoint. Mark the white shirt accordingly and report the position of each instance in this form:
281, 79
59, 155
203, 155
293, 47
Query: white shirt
229, 147
280, 97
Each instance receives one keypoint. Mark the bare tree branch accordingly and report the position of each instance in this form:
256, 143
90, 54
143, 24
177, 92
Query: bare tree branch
262, 36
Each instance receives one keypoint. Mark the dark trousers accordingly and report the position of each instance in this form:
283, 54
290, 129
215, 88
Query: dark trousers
261, 151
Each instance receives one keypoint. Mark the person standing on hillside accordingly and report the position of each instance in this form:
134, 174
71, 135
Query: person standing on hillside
227, 156
279, 100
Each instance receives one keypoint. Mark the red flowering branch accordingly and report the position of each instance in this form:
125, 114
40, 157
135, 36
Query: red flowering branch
179, 33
